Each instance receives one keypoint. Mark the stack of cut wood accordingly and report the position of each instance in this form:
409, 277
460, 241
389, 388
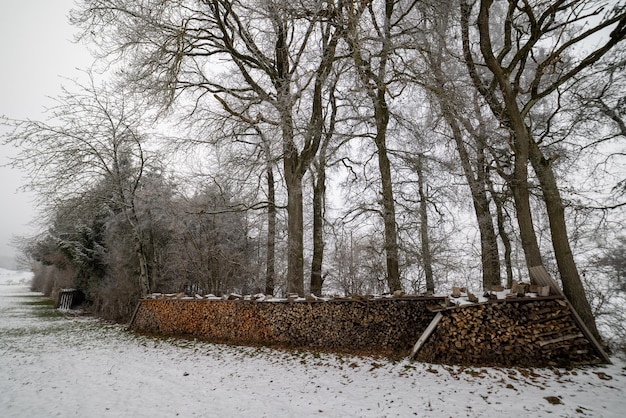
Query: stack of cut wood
526, 332
383, 326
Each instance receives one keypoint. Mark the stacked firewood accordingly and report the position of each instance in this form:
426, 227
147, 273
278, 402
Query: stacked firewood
525, 332
220, 321
382, 326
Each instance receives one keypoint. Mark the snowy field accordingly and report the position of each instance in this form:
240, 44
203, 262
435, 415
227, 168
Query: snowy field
53, 365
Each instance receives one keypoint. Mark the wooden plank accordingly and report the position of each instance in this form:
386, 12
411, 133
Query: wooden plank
540, 275
429, 330
561, 339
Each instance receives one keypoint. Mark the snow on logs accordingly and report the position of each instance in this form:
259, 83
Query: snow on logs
526, 332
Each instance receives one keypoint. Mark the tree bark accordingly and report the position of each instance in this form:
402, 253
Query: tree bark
295, 225
291, 164
498, 199
316, 126
381, 115
295, 163
474, 167
374, 80
489, 255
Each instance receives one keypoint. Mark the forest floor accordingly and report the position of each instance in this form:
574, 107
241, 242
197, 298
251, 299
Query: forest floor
53, 364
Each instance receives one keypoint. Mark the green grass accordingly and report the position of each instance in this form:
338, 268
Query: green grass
43, 308
37, 331
48, 313
40, 302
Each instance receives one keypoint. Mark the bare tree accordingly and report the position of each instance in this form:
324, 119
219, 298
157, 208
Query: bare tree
270, 265
374, 35
525, 57
210, 249
357, 264
598, 115
276, 49
92, 144
250, 149
427, 257
474, 168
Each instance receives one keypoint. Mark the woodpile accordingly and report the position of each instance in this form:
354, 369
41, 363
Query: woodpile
386, 326
383, 325
528, 332
501, 328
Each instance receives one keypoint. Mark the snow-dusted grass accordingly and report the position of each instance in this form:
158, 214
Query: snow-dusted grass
55, 365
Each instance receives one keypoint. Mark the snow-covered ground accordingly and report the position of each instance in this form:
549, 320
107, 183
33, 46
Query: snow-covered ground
53, 365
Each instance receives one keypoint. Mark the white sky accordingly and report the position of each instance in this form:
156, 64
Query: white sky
36, 52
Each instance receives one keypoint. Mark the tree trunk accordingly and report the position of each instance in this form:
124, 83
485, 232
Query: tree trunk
319, 183
519, 186
295, 226
389, 218
427, 259
477, 178
489, 241
319, 191
489, 255
512, 117
144, 281
271, 232
503, 234
292, 166
295, 230
375, 80
572, 284
389, 210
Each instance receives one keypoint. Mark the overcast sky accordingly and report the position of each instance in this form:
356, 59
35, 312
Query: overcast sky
36, 52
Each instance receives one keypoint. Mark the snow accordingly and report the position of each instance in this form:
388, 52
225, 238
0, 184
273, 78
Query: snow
62, 365
10, 277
